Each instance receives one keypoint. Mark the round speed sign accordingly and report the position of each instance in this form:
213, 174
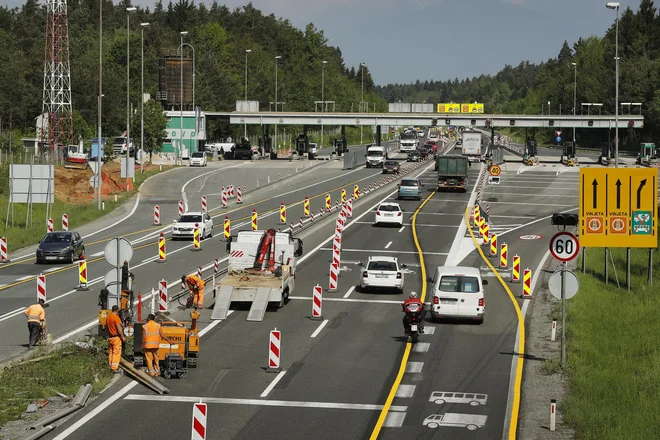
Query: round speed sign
564, 246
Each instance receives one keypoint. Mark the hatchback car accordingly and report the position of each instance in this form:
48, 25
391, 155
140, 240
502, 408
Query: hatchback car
389, 213
382, 273
414, 156
198, 159
410, 187
60, 246
391, 166
185, 225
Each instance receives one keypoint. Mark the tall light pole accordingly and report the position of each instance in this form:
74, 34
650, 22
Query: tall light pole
574, 96
128, 82
178, 150
323, 95
143, 25
180, 48
362, 98
247, 51
615, 5
277, 58
98, 128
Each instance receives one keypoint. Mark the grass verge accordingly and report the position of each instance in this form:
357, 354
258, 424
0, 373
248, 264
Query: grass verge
613, 358
64, 372
18, 236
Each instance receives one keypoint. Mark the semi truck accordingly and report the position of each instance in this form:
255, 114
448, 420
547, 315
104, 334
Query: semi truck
408, 141
452, 172
471, 145
261, 271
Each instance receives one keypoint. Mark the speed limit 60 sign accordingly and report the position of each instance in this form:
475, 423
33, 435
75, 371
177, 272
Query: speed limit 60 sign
564, 246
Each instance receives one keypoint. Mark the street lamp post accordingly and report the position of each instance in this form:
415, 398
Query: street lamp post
128, 83
178, 150
615, 5
574, 96
247, 51
322, 95
98, 138
143, 25
277, 58
193, 83
362, 98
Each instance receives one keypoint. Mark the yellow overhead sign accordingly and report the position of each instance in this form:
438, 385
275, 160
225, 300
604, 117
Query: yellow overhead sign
618, 207
449, 108
472, 108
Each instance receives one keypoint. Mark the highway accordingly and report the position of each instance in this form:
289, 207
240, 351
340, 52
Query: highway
337, 373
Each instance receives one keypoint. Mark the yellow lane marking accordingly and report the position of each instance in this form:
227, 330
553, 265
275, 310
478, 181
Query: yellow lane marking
406, 353
521, 342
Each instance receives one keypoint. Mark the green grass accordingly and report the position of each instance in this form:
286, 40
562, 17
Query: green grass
613, 357
64, 373
551, 366
18, 236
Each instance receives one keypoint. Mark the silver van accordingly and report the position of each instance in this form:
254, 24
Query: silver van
457, 292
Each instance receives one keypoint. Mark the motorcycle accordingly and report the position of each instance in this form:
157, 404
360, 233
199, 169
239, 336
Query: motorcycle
414, 316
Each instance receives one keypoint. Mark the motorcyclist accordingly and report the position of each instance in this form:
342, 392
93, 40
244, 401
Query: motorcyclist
416, 304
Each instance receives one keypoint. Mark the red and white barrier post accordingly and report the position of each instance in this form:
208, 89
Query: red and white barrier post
65, 222
199, 272
553, 413
274, 353
162, 296
199, 421
317, 303
41, 287
4, 256
553, 331
156, 215
334, 277
49, 225
203, 203
224, 197
239, 195
349, 208
180, 210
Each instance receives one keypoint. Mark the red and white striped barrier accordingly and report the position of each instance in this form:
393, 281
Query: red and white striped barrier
336, 251
65, 222
317, 303
224, 197
274, 351
199, 272
199, 421
162, 296
291, 226
216, 265
156, 215
180, 208
4, 257
41, 287
231, 191
239, 195
349, 208
203, 203
334, 277
49, 225
301, 222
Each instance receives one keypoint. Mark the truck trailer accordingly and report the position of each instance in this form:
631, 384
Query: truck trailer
452, 172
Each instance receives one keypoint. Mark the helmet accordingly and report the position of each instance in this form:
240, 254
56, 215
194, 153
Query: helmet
183, 278
412, 295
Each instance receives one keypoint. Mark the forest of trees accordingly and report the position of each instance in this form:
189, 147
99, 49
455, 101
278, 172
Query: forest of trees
524, 89
220, 37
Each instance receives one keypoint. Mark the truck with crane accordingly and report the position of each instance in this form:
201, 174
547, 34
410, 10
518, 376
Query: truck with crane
261, 271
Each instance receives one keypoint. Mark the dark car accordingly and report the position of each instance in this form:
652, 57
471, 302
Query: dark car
428, 148
414, 156
391, 166
60, 246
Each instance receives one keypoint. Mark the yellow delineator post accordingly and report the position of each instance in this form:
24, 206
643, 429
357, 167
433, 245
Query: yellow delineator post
197, 244
162, 256
527, 283
356, 192
227, 227
486, 235
515, 272
306, 206
493, 246
477, 216
82, 275
254, 219
328, 200
504, 264
282, 213
343, 197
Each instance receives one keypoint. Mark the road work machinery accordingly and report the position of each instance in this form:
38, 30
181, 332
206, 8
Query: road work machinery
262, 269
177, 358
530, 157
75, 157
568, 155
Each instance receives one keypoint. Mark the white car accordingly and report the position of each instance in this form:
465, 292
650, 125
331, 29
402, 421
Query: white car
382, 273
390, 213
313, 150
185, 225
198, 159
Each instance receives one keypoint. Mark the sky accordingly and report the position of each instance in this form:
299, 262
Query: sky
405, 40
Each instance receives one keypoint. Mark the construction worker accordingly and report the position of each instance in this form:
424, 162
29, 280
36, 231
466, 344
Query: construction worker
36, 316
152, 334
196, 287
116, 338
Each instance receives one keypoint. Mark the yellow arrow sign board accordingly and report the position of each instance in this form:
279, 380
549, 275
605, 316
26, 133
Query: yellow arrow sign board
618, 207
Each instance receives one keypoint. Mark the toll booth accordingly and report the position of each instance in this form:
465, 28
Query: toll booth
340, 145
265, 141
531, 148
569, 150
605, 149
302, 144
648, 151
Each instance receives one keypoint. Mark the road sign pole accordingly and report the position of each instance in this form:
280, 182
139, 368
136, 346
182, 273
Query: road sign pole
650, 280
563, 315
607, 278
628, 268
584, 260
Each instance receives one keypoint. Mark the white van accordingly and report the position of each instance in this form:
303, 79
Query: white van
376, 156
458, 292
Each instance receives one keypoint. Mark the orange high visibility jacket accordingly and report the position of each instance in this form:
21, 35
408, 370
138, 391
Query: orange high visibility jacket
35, 313
151, 335
195, 282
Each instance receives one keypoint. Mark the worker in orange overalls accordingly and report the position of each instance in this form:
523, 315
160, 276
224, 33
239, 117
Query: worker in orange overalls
152, 334
196, 287
36, 316
116, 338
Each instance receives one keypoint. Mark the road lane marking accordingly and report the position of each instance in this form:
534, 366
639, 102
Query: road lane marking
318, 329
406, 390
429, 329
421, 225
505, 203
421, 347
52, 269
259, 402
388, 245
375, 251
137, 202
402, 228
394, 419
414, 367
349, 292
27, 277
270, 387
355, 300
97, 254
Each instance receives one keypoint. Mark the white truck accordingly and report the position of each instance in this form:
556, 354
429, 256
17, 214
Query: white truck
471, 145
261, 271
408, 141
